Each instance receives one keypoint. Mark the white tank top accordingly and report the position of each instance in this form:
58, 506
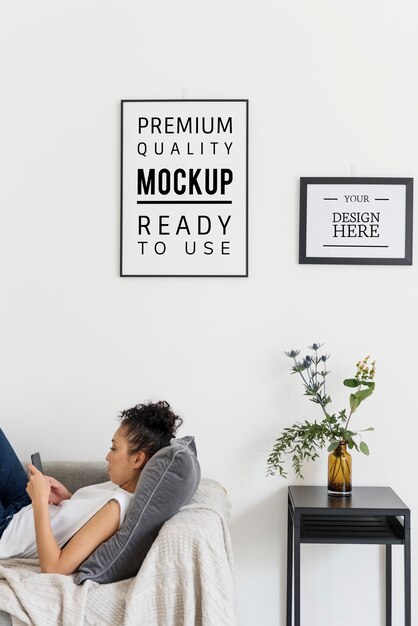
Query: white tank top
18, 540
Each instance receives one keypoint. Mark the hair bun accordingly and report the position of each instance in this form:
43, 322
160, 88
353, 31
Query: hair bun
160, 415
150, 427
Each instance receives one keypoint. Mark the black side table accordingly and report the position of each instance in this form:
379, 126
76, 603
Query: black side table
370, 516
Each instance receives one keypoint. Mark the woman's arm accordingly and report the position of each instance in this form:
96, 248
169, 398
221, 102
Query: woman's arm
52, 558
58, 491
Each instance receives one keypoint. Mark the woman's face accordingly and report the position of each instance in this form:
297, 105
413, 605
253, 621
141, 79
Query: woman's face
123, 468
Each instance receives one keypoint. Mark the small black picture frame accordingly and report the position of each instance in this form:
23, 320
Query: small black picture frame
356, 221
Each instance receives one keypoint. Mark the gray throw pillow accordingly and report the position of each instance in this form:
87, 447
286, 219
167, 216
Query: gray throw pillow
167, 482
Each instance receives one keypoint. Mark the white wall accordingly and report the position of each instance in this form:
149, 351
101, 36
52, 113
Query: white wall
331, 84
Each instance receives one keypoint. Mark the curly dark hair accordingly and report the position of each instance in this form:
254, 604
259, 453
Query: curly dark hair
149, 427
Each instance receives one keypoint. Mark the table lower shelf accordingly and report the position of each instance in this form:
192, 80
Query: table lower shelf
373, 529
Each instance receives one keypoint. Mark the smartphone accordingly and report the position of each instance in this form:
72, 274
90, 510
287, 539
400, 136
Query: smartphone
36, 461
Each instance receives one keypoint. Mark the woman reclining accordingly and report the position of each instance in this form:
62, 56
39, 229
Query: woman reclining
42, 519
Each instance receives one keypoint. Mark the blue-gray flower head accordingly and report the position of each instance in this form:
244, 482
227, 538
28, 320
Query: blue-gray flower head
325, 357
315, 346
292, 353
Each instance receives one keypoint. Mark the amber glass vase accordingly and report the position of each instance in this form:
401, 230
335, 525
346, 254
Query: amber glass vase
339, 471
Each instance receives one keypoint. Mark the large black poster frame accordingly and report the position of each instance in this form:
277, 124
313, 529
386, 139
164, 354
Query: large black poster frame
167, 100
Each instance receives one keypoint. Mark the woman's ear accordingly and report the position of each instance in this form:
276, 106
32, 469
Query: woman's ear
140, 460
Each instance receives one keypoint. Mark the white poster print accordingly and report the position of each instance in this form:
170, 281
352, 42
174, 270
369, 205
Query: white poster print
184, 188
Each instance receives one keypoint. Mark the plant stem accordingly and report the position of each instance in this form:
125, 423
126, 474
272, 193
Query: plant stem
351, 413
303, 378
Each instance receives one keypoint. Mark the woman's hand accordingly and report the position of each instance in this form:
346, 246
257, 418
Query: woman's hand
58, 491
38, 487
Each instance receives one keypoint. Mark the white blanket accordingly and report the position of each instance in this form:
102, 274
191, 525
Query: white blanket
186, 579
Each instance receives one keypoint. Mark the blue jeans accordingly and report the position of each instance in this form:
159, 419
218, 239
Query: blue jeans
13, 481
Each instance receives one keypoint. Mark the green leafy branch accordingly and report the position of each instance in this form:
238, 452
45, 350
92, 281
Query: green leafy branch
302, 441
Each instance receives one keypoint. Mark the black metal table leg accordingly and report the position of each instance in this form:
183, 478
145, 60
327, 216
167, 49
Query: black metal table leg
296, 551
388, 584
407, 564
289, 567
